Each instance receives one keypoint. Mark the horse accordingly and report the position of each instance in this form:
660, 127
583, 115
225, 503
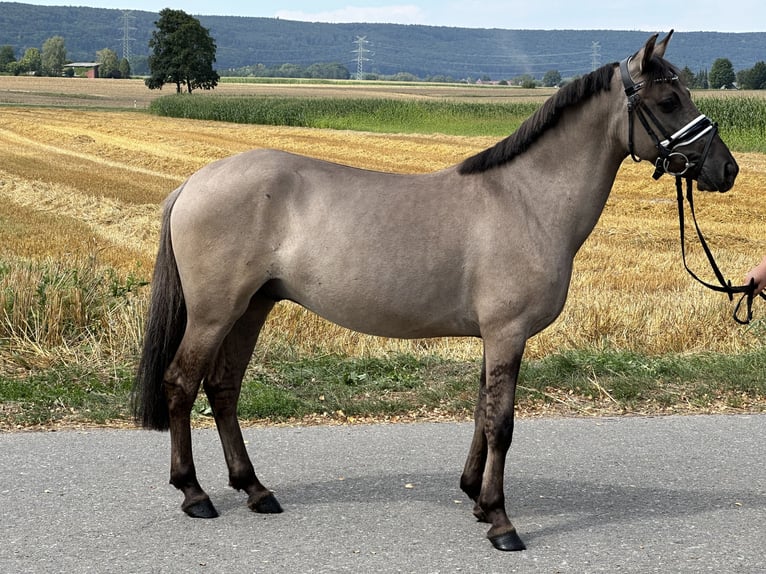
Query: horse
483, 249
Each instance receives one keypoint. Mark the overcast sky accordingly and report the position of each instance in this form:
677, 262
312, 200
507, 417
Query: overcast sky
645, 15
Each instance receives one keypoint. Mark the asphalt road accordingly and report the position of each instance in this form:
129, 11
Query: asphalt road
674, 494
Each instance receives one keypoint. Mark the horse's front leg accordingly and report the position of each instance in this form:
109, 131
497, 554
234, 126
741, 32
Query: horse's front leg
502, 362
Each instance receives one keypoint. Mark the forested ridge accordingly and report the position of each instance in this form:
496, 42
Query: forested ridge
423, 51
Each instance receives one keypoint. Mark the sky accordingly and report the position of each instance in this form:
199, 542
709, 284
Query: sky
645, 15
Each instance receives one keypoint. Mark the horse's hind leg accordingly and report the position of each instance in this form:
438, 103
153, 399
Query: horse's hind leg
182, 380
222, 387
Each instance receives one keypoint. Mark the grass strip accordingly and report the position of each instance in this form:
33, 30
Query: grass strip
582, 382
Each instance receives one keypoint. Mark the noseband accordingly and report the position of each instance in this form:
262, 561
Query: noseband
700, 127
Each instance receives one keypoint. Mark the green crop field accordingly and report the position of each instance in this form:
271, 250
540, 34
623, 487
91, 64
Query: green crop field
742, 120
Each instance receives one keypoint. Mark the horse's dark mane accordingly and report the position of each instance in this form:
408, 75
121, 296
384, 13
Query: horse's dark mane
551, 111
543, 119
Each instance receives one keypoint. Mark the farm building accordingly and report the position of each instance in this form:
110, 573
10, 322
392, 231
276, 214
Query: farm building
87, 69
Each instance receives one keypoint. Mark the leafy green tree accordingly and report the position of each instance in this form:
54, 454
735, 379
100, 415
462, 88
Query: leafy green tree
758, 73
124, 68
687, 77
110, 65
722, 74
525, 81
53, 56
7, 55
290, 71
551, 78
403, 77
701, 80
31, 62
183, 53
139, 65
753, 78
332, 71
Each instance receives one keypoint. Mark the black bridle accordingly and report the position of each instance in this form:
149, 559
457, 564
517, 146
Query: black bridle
668, 157
696, 129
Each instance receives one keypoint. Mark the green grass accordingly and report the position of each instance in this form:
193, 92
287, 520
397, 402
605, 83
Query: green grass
65, 393
633, 382
598, 381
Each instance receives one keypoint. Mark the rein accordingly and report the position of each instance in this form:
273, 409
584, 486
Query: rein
694, 130
724, 286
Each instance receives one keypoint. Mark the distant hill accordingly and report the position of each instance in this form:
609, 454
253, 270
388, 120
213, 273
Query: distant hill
421, 50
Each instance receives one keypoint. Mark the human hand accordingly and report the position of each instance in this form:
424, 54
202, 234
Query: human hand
758, 275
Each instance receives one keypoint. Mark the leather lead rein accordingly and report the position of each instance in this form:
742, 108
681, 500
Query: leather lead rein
748, 291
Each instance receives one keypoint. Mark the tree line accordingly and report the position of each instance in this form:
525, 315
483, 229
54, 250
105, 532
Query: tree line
723, 76
52, 60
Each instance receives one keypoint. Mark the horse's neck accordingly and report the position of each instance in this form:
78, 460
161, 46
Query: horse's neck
574, 167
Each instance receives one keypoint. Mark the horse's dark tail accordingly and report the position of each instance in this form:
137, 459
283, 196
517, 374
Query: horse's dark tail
165, 325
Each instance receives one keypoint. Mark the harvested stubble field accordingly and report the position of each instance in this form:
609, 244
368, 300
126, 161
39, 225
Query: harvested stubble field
82, 189
126, 94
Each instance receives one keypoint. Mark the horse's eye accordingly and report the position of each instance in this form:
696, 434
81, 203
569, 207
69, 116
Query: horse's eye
669, 104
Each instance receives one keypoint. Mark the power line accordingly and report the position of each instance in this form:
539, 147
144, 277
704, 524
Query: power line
595, 57
127, 28
360, 51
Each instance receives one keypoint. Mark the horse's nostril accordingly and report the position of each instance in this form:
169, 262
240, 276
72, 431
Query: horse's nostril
731, 170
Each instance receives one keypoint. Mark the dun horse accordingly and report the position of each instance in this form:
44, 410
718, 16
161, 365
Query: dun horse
480, 249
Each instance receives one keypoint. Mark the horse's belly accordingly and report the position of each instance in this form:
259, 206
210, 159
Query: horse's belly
404, 314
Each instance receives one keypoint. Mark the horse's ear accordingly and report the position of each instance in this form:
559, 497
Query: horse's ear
659, 49
645, 54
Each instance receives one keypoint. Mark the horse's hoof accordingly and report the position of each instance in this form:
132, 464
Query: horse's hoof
507, 542
201, 509
266, 505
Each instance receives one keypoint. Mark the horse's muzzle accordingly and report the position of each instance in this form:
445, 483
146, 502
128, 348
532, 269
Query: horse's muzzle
721, 181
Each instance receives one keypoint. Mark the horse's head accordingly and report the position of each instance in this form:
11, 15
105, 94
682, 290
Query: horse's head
670, 131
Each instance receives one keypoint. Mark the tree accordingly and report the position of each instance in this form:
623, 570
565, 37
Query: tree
525, 81
110, 66
124, 68
754, 78
183, 53
53, 56
758, 75
687, 77
332, 70
701, 80
551, 78
31, 62
7, 55
290, 71
721, 74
